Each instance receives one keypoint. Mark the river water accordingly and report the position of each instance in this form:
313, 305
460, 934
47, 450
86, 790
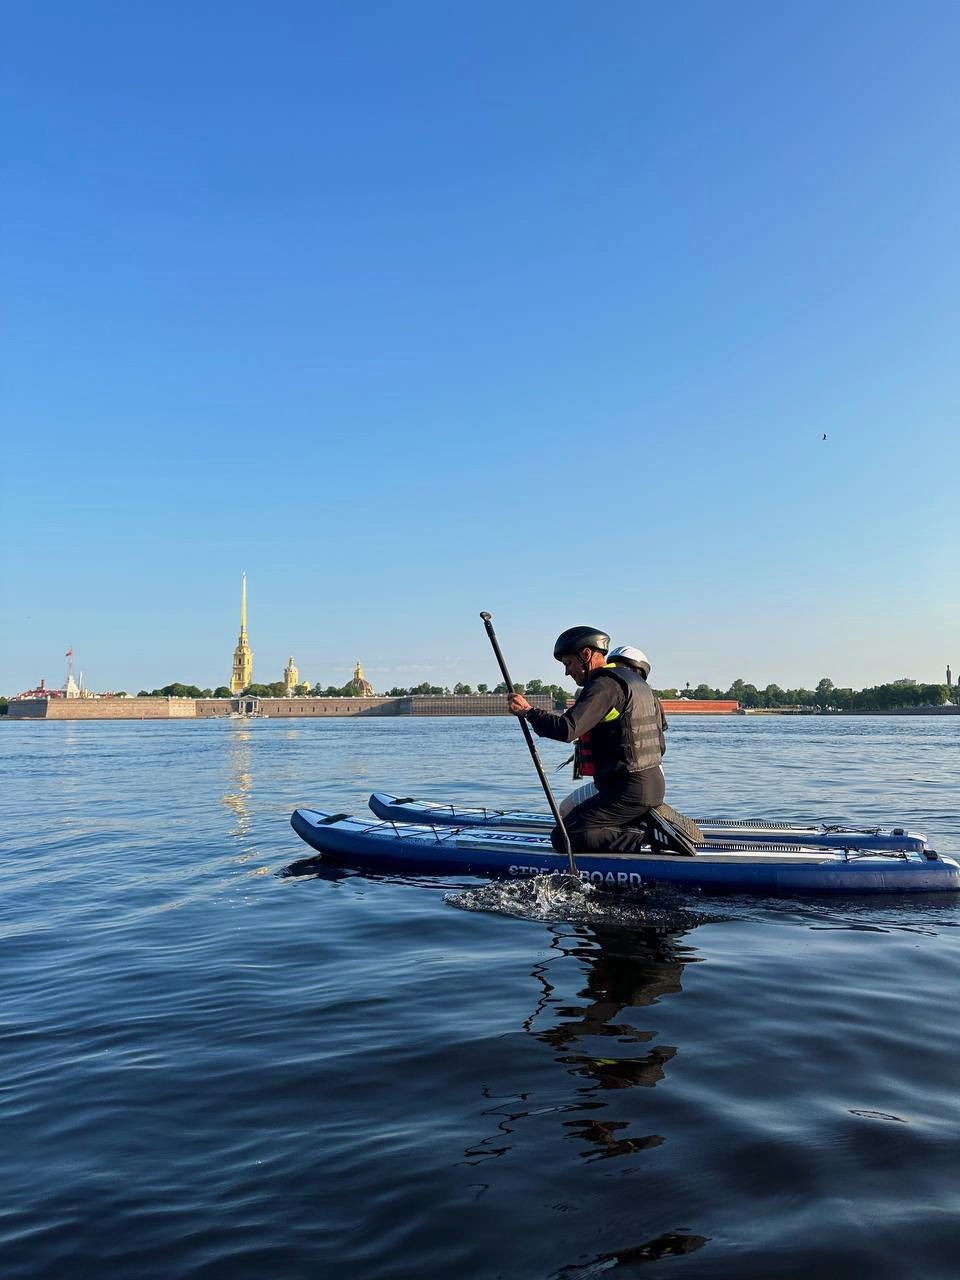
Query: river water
215, 1070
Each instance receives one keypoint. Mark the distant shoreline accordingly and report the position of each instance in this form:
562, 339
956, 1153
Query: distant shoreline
250, 707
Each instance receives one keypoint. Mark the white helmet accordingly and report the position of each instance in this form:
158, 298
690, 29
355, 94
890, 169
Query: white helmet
631, 656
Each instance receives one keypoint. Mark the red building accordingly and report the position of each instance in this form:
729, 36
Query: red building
700, 706
40, 692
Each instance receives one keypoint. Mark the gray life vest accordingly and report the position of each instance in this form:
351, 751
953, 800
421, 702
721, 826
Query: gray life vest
631, 739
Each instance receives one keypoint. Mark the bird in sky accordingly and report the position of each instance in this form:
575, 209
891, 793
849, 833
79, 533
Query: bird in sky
824, 435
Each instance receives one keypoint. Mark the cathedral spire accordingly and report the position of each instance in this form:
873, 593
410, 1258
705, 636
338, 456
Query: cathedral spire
242, 672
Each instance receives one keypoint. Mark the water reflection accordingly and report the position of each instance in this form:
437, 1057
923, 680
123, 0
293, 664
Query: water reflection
594, 1038
671, 1244
606, 1050
623, 970
240, 781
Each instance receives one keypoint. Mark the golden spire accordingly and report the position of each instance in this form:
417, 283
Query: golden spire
242, 672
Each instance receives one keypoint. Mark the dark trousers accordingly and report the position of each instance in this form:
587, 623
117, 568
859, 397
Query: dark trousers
610, 820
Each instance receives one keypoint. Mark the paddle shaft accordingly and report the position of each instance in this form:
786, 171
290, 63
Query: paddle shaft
532, 746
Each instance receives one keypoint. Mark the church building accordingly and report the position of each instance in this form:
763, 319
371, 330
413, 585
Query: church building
359, 685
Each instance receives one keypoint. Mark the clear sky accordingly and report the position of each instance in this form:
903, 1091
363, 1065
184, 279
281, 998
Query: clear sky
413, 310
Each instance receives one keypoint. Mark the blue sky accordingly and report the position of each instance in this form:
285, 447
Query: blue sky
415, 310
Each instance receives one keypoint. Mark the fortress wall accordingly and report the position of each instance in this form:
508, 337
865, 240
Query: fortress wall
104, 709
121, 708
284, 708
28, 709
467, 704
490, 704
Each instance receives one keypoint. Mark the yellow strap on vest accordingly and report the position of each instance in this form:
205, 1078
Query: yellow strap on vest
614, 714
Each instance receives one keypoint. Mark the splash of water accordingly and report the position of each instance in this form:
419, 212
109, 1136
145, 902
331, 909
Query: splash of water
550, 896
559, 897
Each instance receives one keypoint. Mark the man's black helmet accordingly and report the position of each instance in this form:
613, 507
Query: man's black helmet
576, 638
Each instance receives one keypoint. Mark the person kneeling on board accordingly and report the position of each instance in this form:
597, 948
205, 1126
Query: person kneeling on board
620, 714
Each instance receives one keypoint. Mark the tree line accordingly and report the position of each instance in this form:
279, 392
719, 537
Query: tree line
278, 690
905, 692
183, 691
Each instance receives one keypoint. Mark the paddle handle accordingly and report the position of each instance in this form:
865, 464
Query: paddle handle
528, 736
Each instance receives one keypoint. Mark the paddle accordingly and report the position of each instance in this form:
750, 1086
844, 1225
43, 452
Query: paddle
533, 750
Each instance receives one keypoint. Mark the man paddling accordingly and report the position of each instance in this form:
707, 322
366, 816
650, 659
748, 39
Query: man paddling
619, 715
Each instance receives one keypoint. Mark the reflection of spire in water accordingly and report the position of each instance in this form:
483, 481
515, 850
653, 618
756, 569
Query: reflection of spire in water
624, 970
241, 780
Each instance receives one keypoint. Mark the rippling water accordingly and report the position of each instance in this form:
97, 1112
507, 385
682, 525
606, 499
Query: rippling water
213, 1070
